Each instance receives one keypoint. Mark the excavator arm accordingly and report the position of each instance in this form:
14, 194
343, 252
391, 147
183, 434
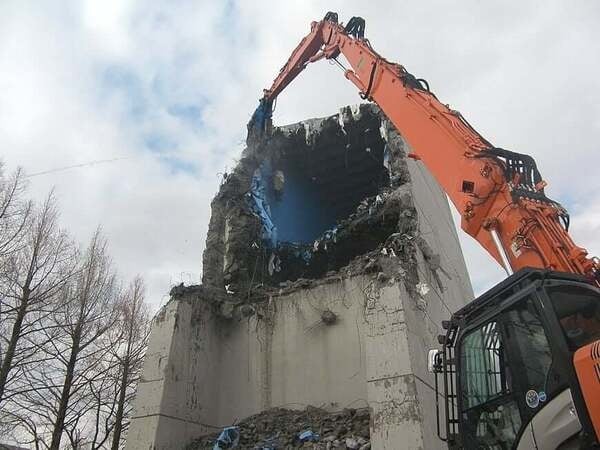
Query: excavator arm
499, 193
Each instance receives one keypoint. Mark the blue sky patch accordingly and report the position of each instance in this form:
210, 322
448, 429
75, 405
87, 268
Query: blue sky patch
177, 165
191, 114
129, 86
159, 143
162, 147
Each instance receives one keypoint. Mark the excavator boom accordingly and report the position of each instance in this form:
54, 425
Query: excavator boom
499, 193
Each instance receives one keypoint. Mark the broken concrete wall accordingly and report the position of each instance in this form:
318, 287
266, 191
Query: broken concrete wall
215, 372
304, 202
348, 326
174, 398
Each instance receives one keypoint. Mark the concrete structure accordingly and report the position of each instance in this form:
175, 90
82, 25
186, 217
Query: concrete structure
215, 358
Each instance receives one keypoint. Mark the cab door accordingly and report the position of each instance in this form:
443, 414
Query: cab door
545, 397
507, 375
490, 413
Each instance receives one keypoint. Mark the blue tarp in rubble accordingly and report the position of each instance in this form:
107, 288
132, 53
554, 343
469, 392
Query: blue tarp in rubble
308, 436
229, 438
260, 206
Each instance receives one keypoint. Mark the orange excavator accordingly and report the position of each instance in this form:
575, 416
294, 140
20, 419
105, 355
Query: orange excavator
520, 365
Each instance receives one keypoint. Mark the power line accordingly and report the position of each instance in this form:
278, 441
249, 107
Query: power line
75, 166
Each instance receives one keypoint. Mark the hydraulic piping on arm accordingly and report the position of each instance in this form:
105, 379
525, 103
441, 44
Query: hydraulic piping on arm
499, 193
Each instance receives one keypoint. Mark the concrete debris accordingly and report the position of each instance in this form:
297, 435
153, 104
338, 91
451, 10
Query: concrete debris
314, 428
329, 317
312, 130
354, 444
179, 290
356, 111
278, 183
274, 264
341, 122
383, 131
422, 289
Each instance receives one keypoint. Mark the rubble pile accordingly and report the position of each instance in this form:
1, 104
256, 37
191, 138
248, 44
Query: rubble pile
314, 428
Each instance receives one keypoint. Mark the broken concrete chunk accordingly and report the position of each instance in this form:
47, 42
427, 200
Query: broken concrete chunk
278, 183
328, 317
422, 289
352, 444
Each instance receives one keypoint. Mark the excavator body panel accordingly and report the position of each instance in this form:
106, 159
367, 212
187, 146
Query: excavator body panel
587, 366
519, 367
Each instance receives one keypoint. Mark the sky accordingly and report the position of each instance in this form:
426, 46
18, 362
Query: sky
151, 99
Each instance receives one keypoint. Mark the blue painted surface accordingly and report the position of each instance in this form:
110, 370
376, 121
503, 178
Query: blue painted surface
300, 215
257, 198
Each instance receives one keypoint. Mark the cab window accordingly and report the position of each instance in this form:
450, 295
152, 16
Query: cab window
490, 417
578, 311
532, 357
507, 375
484, 366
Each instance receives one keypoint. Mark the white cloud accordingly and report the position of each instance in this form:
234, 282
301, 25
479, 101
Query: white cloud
98, 80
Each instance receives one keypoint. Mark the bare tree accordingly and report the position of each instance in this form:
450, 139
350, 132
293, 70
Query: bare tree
14, 210
71, 341
32, 276
114, 386
136, 327
14, 215
87, 315
105, 392
56, 393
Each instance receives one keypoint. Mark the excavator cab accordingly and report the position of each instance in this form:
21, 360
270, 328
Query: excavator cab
520, 366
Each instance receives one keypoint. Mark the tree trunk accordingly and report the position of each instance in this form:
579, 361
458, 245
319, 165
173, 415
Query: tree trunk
121, 406
12, 344
59, 424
